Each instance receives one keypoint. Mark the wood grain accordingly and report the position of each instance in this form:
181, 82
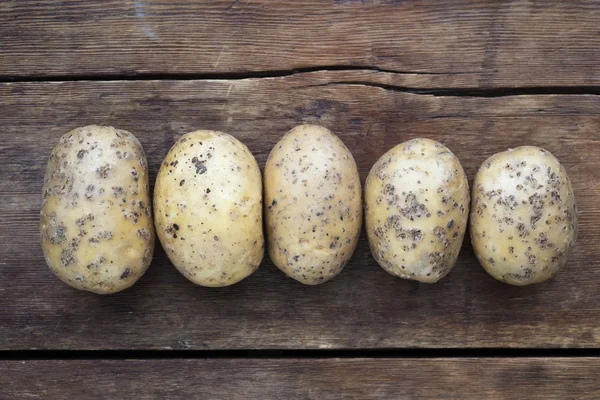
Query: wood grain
460, 379
453, 43
363, 307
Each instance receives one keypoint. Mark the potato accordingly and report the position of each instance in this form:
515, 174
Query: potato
208, 208
96, 221
416, 210
524, 218
313, 204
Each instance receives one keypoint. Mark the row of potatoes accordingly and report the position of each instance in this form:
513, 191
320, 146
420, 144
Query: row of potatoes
97, 223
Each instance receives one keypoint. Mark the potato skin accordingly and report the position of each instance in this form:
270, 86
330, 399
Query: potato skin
416, 210
96, 220
524, 217
208, 208
313, 206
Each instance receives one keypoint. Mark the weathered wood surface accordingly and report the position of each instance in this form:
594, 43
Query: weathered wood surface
363, 307
453, 43
460, 379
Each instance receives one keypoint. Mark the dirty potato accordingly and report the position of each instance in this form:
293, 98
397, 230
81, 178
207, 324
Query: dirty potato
96, 221
208, 208
313, 207
416, 210
524, 218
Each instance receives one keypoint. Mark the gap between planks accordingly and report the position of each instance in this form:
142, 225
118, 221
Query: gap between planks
235, 76
429, 353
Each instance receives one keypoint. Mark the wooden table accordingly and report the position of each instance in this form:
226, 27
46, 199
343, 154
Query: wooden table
478, 76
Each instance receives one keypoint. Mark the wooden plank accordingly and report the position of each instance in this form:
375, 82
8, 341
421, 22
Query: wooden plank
363, 307
461, 379
454, 43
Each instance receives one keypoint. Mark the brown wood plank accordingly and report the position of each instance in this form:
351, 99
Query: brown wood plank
363, 307
461, 379
455, 43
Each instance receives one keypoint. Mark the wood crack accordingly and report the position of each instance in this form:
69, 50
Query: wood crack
217, 75
473, 92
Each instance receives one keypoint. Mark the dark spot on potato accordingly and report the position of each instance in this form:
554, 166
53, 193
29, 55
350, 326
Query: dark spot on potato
103, 171
493, 193
389, 189
103, 235
542, 241
522, 230
199, 164
412, 208
440, 234
525, 276
378, 232
508, 221
117, 191
86, 218
126, 273
135, 174
143, 208
531, 257
96, 264
144, 234
508, 202
67, 258
89, 192
395, 222
176, 227
81, 153
57, 234
273, 204
75, 241
436, 260
537, 204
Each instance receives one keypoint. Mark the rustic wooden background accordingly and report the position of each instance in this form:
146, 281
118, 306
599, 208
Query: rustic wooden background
478, 76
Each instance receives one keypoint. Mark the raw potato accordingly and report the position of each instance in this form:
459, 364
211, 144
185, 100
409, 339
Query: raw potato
96, 220
313, 204
208, 208
524, 218
416, 210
